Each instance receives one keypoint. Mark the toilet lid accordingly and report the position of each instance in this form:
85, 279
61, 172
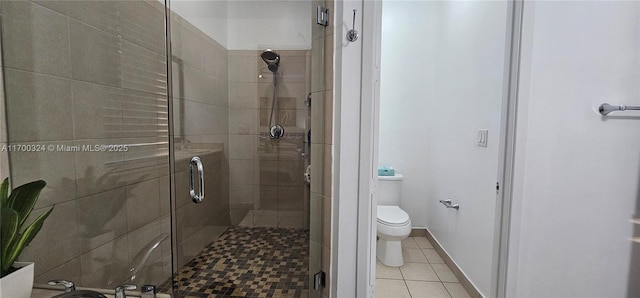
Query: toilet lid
392, 216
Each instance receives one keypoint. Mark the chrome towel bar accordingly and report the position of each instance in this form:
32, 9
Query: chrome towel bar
606, 108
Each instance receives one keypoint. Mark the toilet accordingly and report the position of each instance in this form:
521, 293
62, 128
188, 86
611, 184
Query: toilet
393, 224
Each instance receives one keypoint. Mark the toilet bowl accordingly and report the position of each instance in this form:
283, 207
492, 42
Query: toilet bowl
394, 226
393, 223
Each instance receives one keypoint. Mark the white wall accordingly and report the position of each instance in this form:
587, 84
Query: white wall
211, 17
251, 25
406, 92
442, 81
577, 172
277, 24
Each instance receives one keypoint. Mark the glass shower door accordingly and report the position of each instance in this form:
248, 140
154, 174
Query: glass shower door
85, 101
199, 140
232, 82
88, 81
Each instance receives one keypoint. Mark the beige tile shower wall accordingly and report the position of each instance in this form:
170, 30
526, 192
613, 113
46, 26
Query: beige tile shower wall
321, 148
266, 176
91, 73
201, 128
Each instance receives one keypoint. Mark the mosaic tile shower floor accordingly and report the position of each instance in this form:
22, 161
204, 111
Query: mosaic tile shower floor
249, 262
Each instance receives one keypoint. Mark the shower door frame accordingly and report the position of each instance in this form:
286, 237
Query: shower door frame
170, 118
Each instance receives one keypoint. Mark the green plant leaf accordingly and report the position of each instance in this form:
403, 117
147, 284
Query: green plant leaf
4, 193
25, 238
24, 198
8, 232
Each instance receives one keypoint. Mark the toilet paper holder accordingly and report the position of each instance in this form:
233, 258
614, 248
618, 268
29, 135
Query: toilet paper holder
447, 203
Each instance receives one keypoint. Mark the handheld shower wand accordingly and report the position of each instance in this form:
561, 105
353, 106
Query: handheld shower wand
273, 63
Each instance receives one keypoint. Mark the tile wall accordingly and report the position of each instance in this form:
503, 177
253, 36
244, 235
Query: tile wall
91, 73
321, 146
266, 175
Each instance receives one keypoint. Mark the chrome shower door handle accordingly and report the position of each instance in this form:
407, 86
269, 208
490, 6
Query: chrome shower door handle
195, 161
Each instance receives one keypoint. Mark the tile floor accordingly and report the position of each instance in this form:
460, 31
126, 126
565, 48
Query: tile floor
423, 274
248, 262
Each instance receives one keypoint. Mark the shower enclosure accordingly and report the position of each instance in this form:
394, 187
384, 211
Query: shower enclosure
123, 95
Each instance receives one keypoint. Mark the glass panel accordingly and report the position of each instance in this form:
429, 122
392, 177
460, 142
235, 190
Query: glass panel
86, 81
200, 128
252, 228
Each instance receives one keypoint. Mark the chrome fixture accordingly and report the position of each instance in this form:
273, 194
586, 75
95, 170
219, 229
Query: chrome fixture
126, 287
276, 131
606, 108
352, 35
148, 291
322, 16
195, 161
81, 294
307, 101
307, 176
319, 280
70, 290
69, 286
447, 203
273, 62
272, 59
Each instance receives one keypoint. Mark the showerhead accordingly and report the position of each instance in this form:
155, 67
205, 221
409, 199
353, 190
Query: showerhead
272, 59
270, 56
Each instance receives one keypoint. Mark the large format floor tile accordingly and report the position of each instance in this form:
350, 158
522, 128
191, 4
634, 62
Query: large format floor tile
387, 272
426, 289
444, 273
413, 255
424, 274
391, 288
418, 271
456, 290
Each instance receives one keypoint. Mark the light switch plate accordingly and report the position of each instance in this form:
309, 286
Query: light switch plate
483, 136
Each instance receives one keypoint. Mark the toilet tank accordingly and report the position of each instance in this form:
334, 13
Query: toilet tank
389, 190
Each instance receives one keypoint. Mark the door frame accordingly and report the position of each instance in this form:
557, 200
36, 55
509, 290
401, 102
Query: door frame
369, 131
365, 86
504, 198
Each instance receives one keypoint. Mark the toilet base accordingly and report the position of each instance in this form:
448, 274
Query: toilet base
389, 252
